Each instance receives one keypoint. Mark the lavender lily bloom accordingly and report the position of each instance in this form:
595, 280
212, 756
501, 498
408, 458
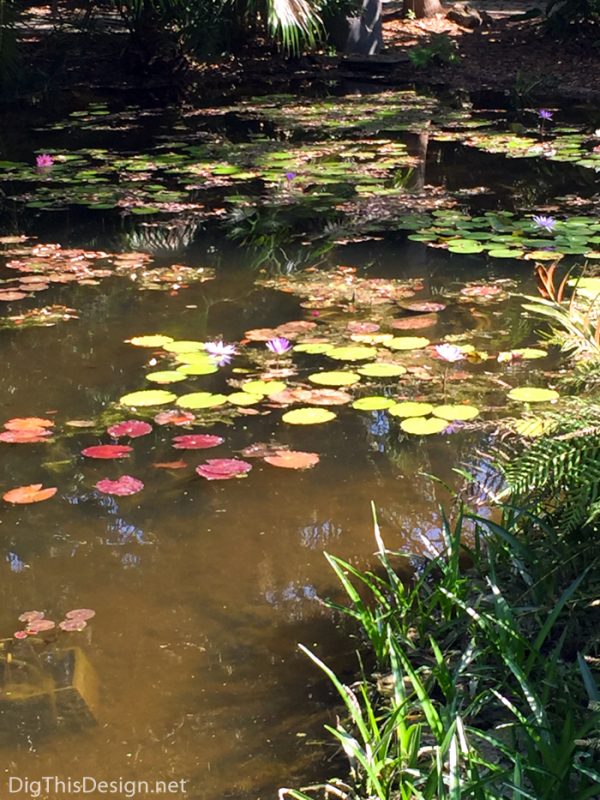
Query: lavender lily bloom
44, 160
279, 345
289, 176
222, 353
546, 223
449, 352
545, 114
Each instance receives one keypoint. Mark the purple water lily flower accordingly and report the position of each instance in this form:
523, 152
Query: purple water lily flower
543, 222
289, 176
449, 352
44, 160
279, 345
545, 114
222, 353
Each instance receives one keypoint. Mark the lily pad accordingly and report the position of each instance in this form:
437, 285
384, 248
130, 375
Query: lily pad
166, 376
292, 459
308, 416
382, 370
352, 353
148, 397
223, 469
34, 493
411, 409
183, 346
107, 451
407, 343
151, 340
374, 403
532, 394
419, 426
121, 487
243, 398
201, 400
313, 348
131, 427
334, 378
197, 368
197, 441
456, 412
263, 388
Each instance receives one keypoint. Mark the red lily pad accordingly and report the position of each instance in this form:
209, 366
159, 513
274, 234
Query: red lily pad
40, 625
131, 427
423, 307
123, 486
415, 323
20, 634
362, 327
72, 624
107, 451
10, 296
196, 441
31, 616
223, 469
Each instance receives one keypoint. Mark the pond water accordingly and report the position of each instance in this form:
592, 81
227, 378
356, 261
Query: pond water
276, 211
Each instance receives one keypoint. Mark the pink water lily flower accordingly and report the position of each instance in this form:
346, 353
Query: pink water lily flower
279, 345
222, 353
449, 352
44, 160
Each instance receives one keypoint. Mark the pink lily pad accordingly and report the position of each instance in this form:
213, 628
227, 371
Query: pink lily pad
20, 634
122, 486
31, 616
40, 625
107, 451
196, 441
132, 428
81, 613
222, 469
362, 327
76, 624
174, 417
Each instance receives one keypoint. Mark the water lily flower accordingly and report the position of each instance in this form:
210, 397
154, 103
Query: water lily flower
449, 352
44, 160
546, 223
279, 345
222, 353
545, 114
289, 176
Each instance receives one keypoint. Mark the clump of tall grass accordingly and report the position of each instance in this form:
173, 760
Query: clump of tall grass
475, 679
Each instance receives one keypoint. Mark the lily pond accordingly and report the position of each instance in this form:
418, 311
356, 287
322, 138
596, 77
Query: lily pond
225, 332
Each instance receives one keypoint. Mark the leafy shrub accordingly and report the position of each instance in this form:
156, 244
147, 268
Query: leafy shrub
440, 49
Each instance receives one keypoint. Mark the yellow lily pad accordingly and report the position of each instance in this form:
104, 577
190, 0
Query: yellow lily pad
313, 348
167, 376
183, 346
308, 416
263, 388
411, 409
381, 370
198, 368
531, 394
374, 403
243, 398
352, 353
455, 413
337, 378
407, 343
152, 340
201, 400
419, 426
147, 397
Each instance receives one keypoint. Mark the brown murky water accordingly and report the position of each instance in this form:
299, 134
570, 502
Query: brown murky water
201, 590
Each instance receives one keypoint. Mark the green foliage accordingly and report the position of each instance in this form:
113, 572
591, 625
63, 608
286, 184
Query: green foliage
475, 694
439, 50
559, 472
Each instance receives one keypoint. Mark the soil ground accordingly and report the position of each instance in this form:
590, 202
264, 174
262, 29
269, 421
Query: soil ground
511, 55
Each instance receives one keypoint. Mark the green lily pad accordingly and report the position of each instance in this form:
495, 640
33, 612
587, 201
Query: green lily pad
411, 409
455, 413
166, 376
407, 343
201, 400
374, 403
152, 340
381, 370
198, 368
352, 353
147, 397
183, 346
530, 352
419, 426
532, 394
243, 398
337, 378
308, 416
316, 348
262, 388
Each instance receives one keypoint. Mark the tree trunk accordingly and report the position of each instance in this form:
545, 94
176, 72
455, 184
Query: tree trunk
366, 36
422, 8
